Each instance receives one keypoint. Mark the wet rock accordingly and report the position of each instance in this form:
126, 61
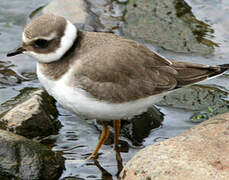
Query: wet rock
168, 24
21, 158
139, 127
195, 97
20, 97
110, 14
49, 140
35, 117
206, 100
201, 152
8, 77
136, 128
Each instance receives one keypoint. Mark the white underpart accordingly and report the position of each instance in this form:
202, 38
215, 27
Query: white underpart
81, 103
66, 42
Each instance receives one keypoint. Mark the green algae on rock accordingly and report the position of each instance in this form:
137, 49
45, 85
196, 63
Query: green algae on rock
21, 158
206, 100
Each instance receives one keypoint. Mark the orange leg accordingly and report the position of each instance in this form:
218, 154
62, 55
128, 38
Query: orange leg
117, 126
104, 136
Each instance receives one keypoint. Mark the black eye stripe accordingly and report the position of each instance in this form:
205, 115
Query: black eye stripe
41, 43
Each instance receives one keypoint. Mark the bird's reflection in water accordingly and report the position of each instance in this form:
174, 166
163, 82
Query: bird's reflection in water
105, 174
119, 161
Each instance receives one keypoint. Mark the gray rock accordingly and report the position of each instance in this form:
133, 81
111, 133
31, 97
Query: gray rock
199, 153
21, 158
206, 100
195, 97
35, 117
168, 24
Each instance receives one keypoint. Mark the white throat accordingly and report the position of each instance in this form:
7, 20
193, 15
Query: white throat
66, 43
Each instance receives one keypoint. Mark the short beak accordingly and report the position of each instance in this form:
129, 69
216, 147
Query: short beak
15, 51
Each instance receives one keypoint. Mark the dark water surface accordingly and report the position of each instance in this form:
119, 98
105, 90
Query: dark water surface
78, 137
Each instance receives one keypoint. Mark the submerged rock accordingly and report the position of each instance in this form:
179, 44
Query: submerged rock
199, 153
8, 77
168, 24
195, 97
207, 101
35, 117
21, 158
137, 128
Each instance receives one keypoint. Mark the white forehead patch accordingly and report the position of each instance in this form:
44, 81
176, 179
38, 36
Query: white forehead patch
27, 40
66, 42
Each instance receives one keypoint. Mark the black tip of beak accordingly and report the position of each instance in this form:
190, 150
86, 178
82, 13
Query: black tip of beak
15, 51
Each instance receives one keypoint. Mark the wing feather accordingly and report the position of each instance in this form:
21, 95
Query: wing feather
123, 70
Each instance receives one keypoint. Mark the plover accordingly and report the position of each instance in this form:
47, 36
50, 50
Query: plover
102, 75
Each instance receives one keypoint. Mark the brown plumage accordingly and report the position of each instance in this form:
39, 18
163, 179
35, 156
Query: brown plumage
115, 69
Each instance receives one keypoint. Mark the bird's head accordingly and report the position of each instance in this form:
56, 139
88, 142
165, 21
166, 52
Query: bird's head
47, 38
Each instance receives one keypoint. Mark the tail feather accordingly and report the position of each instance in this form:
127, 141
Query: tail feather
224, 67
220, 70
195, 73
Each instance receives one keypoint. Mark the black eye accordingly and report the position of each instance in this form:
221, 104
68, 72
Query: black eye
41, 43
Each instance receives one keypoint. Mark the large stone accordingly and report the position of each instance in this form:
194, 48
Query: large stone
200, 153
35, 117
168, 24
24, 159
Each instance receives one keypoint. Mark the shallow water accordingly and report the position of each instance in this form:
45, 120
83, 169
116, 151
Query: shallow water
78, 137
13, 16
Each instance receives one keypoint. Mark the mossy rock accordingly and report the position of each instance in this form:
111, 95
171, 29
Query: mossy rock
21, 158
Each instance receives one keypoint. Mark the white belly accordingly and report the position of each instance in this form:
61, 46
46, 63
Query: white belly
80, 102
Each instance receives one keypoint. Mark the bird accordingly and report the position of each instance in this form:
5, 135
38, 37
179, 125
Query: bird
103, 76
